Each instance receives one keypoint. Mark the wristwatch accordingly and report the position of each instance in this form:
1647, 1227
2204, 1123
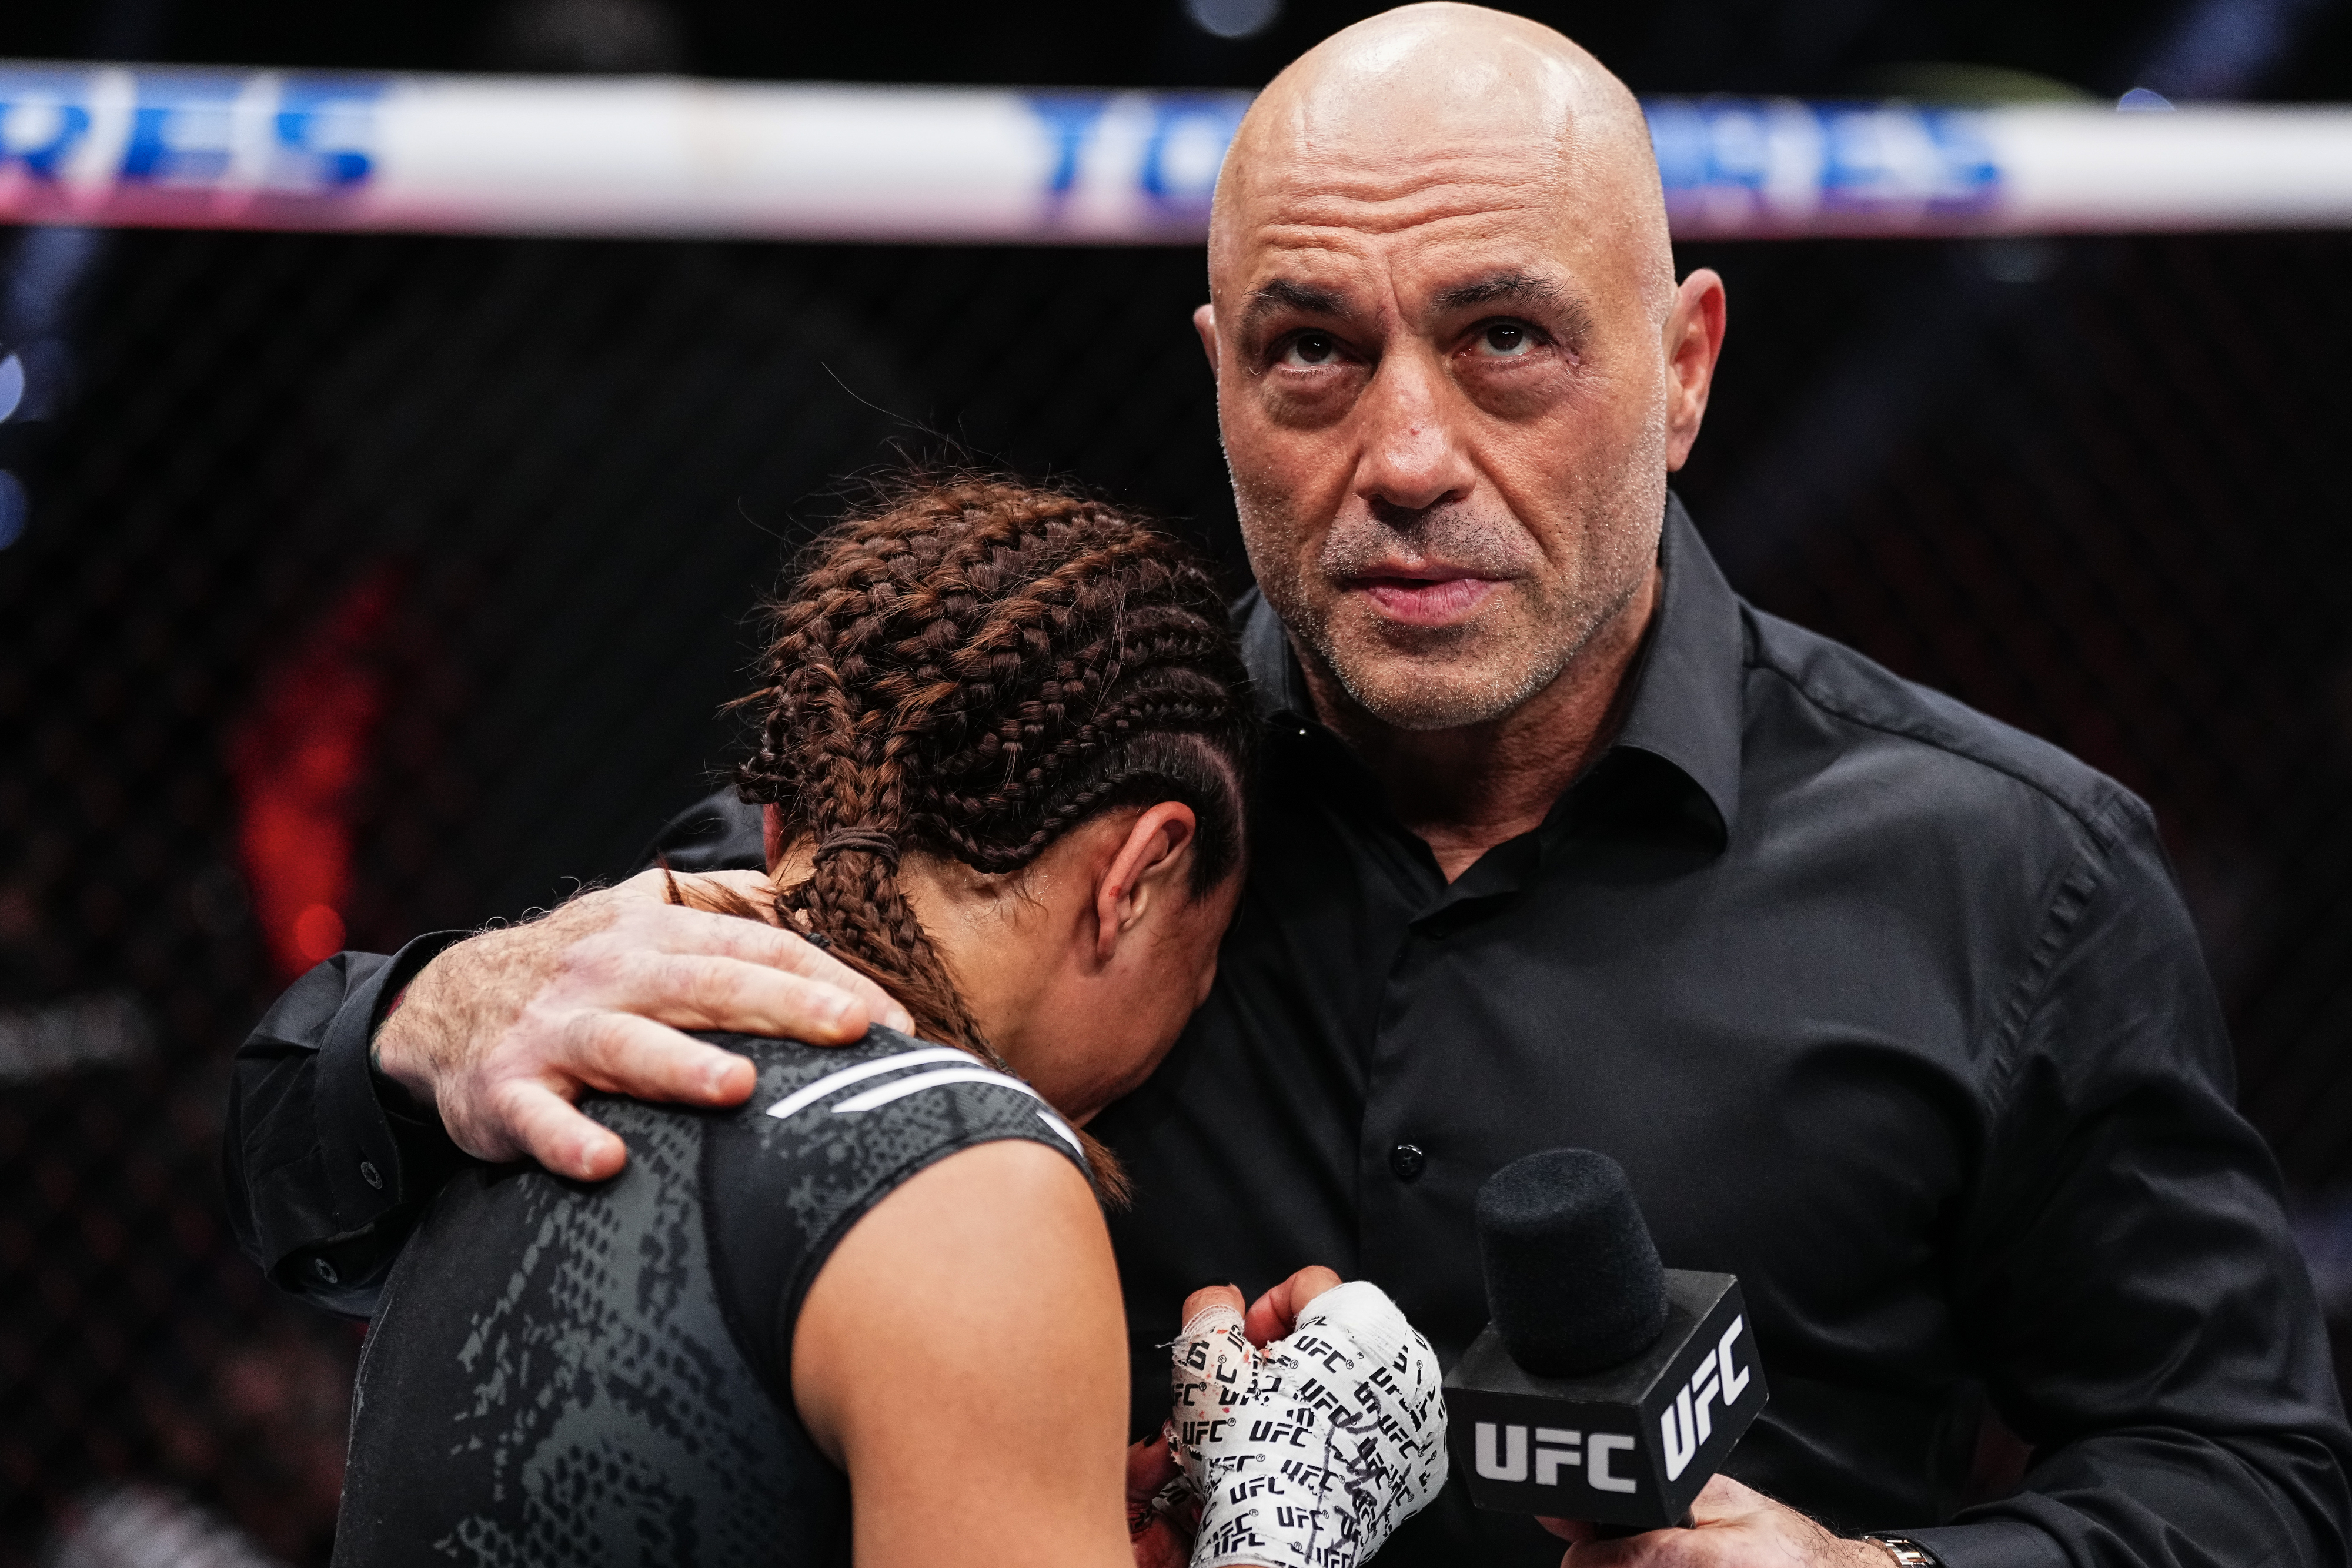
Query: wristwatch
1907, 1554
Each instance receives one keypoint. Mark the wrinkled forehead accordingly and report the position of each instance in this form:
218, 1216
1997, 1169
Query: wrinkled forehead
1412, 214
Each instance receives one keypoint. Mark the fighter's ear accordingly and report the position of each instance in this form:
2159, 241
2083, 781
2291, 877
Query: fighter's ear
1205, 321
1152, 863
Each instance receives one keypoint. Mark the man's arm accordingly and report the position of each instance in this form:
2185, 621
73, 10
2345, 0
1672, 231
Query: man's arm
322, 1175
2123, 1281
336, 1125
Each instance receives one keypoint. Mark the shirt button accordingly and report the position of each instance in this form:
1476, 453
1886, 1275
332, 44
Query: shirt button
325, 1271
1407, 1161
369, 1174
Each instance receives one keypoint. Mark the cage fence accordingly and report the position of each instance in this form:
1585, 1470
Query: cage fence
369, 586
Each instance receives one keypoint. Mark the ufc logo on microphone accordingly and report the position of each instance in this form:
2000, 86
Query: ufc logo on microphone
1627, 1444
1502, 1454
1685, 1423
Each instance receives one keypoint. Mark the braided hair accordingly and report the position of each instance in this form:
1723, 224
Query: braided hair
971, 667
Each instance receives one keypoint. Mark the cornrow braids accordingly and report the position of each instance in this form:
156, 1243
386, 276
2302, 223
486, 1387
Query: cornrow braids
971, 667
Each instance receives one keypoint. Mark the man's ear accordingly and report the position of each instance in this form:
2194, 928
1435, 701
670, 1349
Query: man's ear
1693, 341
1152, 864
1205, 321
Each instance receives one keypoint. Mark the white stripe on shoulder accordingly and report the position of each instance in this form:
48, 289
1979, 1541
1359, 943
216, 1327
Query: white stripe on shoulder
974, 1073
810, 1093
1061, 1130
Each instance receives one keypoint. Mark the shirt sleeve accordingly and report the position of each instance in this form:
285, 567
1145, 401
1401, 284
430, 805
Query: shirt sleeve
2124, 1277
324, 1168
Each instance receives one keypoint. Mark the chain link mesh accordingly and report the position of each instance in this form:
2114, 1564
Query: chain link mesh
369, 586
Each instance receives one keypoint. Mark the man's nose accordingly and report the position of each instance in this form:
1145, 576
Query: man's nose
1412, 456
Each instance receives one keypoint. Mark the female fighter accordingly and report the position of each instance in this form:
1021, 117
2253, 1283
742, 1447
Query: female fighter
872, 1315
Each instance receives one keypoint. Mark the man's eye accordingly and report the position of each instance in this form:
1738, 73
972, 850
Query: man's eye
1505, 340
1311, 348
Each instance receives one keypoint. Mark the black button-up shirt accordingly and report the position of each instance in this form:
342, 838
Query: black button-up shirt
1889, 1010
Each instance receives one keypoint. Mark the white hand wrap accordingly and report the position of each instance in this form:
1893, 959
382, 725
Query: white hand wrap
1309, 1453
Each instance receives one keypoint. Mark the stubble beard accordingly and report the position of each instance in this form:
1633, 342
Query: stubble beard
1455, 678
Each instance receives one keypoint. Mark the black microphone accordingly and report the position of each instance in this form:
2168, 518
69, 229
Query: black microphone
1607, 1387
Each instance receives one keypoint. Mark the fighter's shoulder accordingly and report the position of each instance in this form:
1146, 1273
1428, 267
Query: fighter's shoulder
873, 1110
828, 1133
785, 1065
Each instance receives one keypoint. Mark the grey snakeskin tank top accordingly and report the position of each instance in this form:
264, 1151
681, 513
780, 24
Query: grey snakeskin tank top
601, 1375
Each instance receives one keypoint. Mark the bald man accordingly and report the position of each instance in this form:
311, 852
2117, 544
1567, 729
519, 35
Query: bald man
1885, 1008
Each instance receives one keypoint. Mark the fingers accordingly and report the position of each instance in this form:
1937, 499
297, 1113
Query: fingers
1576, 1531
1207, 1298
499, 1030
1210, 1370
699, 990
1274, 1315
790, 955
548, 1128
1150, 1466
1308, 1283
624, 1054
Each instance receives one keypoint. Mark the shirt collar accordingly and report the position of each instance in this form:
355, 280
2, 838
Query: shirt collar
1686, 708
1278, 686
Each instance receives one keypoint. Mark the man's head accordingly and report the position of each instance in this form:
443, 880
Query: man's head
1454, 369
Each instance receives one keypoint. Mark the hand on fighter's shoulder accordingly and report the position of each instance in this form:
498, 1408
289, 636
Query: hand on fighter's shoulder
503, 1032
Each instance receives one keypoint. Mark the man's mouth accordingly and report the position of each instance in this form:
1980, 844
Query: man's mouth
1429, 596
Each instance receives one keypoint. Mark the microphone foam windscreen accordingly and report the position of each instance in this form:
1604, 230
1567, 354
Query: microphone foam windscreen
1572, 1278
